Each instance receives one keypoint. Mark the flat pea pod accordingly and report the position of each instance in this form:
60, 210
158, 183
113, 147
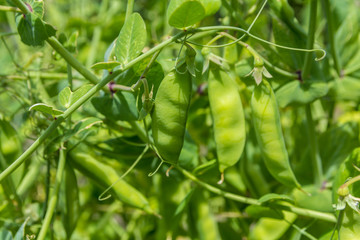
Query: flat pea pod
170, 113
105, 175
266, 119
228, 118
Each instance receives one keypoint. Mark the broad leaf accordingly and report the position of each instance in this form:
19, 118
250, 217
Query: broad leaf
211, 6
32, 29
44, 108
81, 126
184, 13
296, 93
120, 106
131, 40
346, 88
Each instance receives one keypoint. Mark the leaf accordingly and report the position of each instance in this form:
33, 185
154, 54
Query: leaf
262, 211
318, 200
67, 98
211, 6
20, 234
190, 59
122, 106
32, 29
5, 235
346, 88
81, 126
44, 108
183, 204
131, 40
184, 13
296, 93
285, 36
105, 65
270, 197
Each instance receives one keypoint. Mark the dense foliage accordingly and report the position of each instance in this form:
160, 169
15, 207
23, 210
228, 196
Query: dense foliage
180, 119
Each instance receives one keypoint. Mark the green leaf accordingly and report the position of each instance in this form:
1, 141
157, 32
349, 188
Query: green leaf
190, 59
120, 106
296, 93
318, 199
105, 65
287, 37
211, 6
5, 235
20, 234
184, 13
270, 197
346, 88
131, 40
44, 108
262, 211
67, 98
81, 126
33, 30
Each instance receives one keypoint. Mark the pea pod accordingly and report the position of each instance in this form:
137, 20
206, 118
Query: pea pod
204, 221
266, 118
170, 114
228, 118
71, 207
105, 175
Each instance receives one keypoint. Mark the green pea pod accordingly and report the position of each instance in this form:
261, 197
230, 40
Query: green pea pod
266, 118
170, 114
205, 224
71, 208
228, 118
105, 175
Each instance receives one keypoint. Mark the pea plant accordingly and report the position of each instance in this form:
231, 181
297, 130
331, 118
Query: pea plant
180, 119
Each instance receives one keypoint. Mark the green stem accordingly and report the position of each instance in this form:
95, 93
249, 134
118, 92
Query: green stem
300, 211
312, 142
54, 195
310, 39
21, 5
331, 36
129, 9
80, 102
45, 75
9, 9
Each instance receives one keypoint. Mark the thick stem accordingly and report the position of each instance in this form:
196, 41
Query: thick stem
54, 195
310, 40
300, 211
